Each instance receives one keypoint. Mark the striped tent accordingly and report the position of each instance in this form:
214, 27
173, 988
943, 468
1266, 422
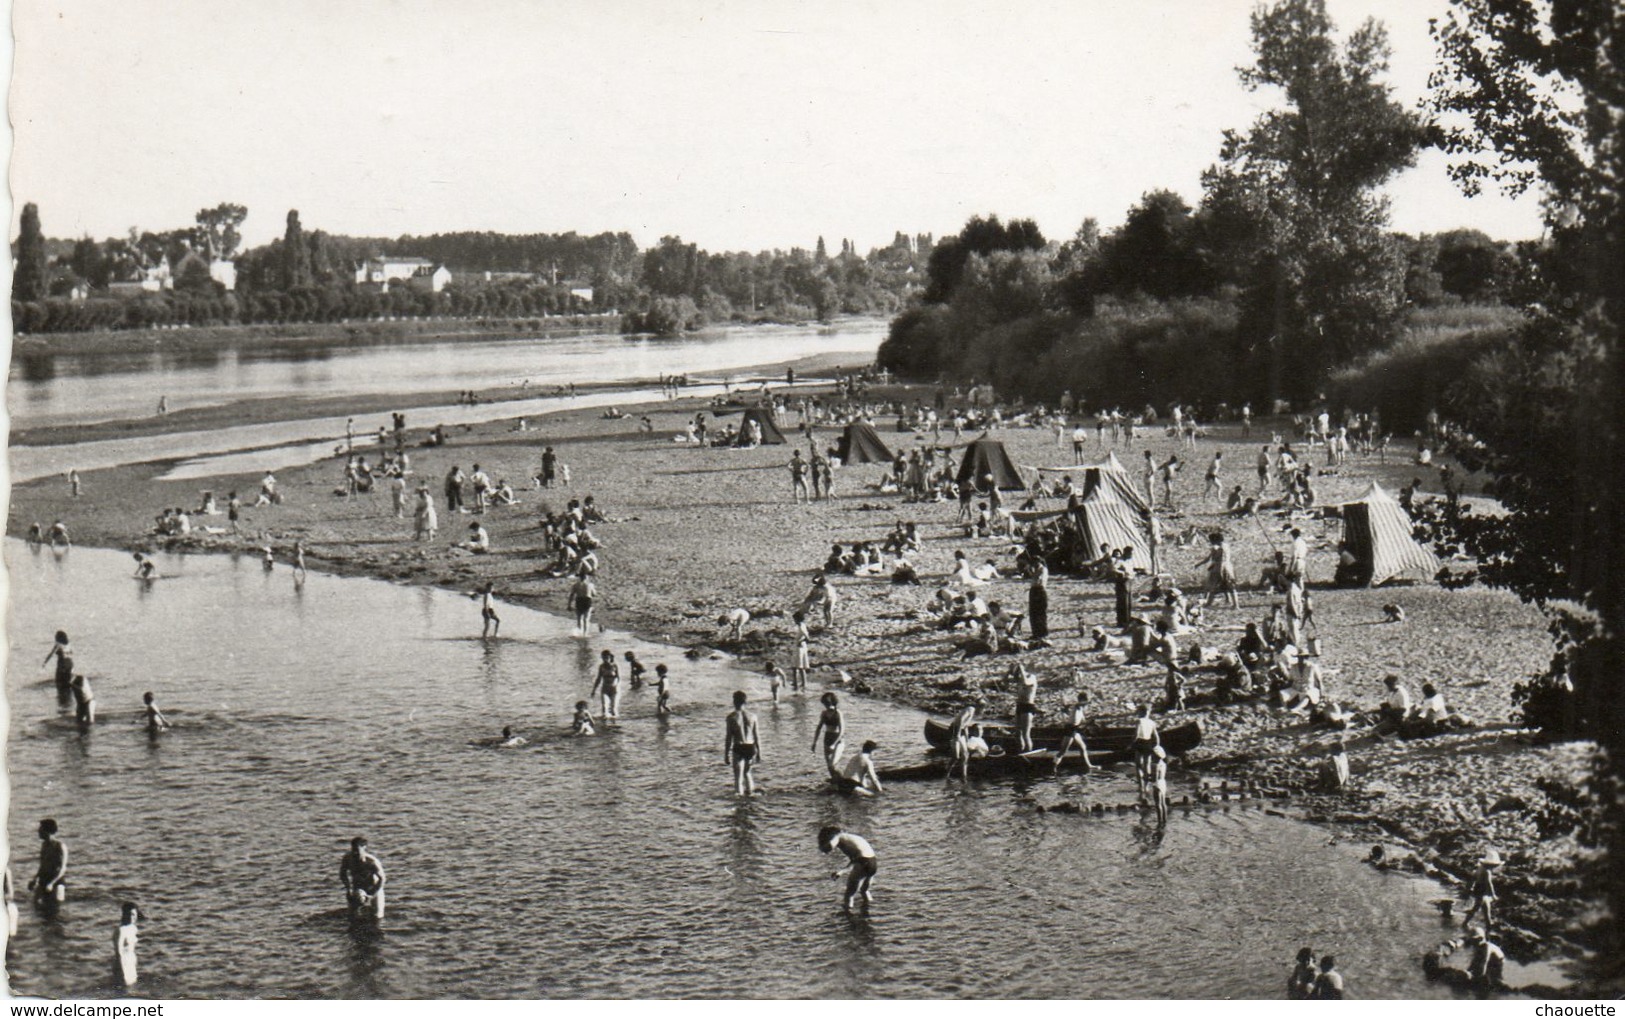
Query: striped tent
1377, 532
1108, 475
1104, 519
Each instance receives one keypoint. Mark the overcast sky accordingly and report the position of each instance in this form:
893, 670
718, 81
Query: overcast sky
738, 125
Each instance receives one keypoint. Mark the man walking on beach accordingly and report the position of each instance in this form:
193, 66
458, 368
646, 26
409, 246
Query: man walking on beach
550, 467
740, 747
798, 478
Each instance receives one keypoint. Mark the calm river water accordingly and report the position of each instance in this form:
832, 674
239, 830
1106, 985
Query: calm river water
80, 390
47, 389
617, 865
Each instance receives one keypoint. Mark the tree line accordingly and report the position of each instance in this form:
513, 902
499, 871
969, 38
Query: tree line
309, 276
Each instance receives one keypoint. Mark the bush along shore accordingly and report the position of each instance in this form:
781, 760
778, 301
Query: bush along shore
692, 533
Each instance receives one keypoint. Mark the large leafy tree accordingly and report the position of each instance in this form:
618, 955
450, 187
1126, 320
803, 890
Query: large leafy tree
981, 236
1531, 95
28, 280
1328, 280
217, 229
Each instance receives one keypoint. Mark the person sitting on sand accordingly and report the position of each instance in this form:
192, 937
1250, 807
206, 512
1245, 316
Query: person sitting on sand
1334, 772
582, 723
479, 539
504, 495
1395, 706
1304, 688
858, 774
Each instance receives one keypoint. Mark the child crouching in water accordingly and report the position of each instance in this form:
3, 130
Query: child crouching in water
582, 724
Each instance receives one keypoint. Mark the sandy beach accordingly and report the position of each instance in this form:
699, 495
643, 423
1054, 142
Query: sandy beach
695, 532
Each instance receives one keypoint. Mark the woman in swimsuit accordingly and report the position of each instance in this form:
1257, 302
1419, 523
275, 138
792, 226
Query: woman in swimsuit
860, 872
608, 685
62, 651
830, 725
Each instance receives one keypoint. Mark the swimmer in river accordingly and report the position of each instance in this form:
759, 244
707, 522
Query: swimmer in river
62, 651
362, 875
509, 739
125, 939
145, 569
84, 702
607, 684
740, 746
50, 884
582, 724
490, 622
830, 725
858, 775
860, 872
156, 722
662, 691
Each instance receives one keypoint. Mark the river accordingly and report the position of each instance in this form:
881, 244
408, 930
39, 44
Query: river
70, 389
615, 865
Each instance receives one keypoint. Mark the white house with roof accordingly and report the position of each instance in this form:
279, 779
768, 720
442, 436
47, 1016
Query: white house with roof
417, 272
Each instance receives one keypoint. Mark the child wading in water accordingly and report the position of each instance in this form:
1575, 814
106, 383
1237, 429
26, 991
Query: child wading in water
662, 691
860, 872
775, 679
490, 622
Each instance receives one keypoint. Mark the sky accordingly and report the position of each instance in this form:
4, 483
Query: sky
736, 125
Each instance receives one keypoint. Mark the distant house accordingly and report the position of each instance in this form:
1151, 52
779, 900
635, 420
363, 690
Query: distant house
581, 290
152, 279
416, 272
224, 273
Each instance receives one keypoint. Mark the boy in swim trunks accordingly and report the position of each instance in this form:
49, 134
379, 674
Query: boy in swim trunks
490, 622
740, 747
860, 872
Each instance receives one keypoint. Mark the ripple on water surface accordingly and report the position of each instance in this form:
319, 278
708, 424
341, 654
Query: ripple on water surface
618, 865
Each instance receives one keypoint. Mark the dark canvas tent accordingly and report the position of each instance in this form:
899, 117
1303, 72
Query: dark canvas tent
987, 456
771, 436
1104, 519
1377, 532
860, 444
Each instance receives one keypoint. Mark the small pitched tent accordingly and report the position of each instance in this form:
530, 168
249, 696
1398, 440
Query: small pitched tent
860, 444
1111, 477
1377, 532
771, 436
987, 456
1104, 519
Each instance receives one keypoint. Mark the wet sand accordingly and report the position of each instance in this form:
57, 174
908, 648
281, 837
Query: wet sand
694, 532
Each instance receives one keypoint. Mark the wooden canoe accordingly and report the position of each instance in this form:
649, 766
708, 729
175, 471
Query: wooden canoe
1108, 745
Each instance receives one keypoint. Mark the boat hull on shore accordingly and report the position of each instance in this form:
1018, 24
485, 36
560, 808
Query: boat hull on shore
1107, 744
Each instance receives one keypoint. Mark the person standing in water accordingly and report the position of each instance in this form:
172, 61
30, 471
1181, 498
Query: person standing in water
50, 883
1147, 739
145, 569
62, 651
831, 726
298, 562
662, 691
156, 722
860, 871
1159, 785
775, 679
607, 684
740, 747
125, 939
1079, 721
84, 702
490, 622
362, 875
582, 594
